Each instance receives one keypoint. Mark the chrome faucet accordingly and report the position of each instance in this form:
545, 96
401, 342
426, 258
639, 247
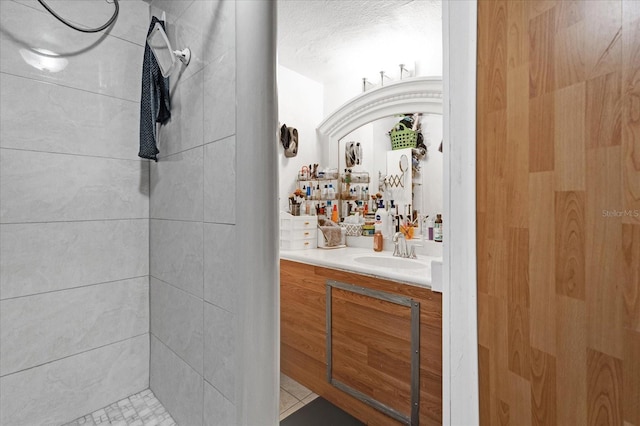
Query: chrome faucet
399, 251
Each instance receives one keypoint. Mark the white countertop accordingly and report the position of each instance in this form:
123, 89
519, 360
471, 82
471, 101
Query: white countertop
417, 273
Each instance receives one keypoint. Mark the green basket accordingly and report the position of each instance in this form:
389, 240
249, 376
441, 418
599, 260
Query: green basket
401, 137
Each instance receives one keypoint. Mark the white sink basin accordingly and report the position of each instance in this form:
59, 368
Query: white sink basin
390, 262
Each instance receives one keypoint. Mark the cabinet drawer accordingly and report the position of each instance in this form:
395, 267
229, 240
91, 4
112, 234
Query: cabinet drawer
298, 222
298, 234
298, 244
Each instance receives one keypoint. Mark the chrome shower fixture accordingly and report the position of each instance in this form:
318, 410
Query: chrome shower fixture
164, 53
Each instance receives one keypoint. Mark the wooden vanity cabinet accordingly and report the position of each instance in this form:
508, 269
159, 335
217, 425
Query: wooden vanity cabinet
371, 341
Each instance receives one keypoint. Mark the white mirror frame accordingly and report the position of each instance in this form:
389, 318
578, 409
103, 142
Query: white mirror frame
418, 94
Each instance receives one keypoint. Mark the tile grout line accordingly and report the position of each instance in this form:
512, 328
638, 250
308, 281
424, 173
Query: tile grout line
72, 355
58, 84
73, 288
75, 154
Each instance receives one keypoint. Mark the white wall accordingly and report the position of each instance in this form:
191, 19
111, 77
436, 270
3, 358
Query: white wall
74, 212
299, 106
339, 91
459, 301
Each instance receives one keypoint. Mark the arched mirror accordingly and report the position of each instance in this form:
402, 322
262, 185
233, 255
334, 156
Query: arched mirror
358, 138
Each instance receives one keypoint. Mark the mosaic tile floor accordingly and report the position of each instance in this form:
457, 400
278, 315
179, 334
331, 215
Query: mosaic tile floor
141, 409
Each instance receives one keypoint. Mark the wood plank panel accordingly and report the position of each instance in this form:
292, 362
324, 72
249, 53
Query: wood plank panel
541, 133
484, 374
500, 384
542, 228
604, 389
605, 310
518, 266
519, 400
569, 244
562, 349
497, 44
519, 349
543, 388
516, 151
631, 256
571, 361
371, 354
518, 36
631, 375
631, 112
604, 110
568, 146
541, 50
603, 21
569, 54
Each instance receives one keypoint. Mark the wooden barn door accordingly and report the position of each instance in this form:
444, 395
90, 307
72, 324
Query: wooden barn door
558, 184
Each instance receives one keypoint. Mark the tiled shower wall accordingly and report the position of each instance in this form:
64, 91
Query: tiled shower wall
74, 212
192, 229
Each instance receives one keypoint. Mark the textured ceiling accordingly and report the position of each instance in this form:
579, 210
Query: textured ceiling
324, 39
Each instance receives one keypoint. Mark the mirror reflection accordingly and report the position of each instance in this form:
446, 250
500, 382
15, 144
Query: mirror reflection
408, 180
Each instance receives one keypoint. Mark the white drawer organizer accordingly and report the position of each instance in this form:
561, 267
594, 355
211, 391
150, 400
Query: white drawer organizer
298, 232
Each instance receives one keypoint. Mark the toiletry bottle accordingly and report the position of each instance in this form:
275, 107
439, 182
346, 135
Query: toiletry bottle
378, 240
309, 192
334, 213
438, 229
430, 229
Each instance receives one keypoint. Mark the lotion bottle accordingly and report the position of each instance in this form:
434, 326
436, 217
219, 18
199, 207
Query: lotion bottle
378, 241
437, 237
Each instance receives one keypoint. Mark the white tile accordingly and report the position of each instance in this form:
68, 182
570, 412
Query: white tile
177, 185
220, 98
176, 254
176, 319
44, 187
39, 257
63, 390
220, 286
178, 386
220, 181
186, 31
220, 350
46, 117
130, 24
219, 30
218, 410
173, 8
45, 327
286, 400
92, 62
293, 409
309, 398
184, 130
293, 387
